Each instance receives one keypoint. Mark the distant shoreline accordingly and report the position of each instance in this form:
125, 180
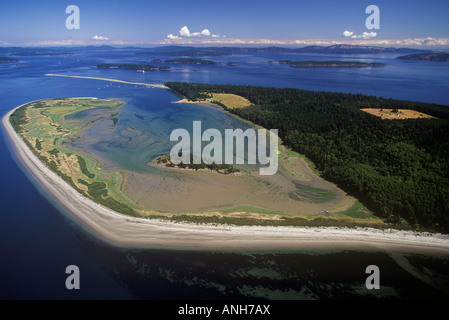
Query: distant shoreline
124, 231
330, 64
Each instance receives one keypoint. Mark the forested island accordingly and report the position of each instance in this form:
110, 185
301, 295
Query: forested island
146, 67
330, 64
430, 56
219, 168
399, 169
8, 60
190, 61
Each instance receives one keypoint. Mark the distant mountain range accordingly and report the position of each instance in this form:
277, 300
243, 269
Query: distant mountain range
191, 51
225, 51
19, 51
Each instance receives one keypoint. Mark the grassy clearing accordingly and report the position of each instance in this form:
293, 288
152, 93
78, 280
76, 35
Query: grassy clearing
231, 101
397, 114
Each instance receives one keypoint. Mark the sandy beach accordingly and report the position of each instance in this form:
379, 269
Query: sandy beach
124, 231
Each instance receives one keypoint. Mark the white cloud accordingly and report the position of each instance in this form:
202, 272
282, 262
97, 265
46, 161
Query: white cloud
366, 38
99, 38
368, 35
364, 35
171, 36
184, 32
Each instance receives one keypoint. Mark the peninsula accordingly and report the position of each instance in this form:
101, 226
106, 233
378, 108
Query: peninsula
8, 60
128, 232
429, 56
330, 64
95, 196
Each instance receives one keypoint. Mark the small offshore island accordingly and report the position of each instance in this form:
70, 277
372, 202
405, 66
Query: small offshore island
219, 168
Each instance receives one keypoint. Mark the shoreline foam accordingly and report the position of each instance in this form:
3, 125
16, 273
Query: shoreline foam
130, 232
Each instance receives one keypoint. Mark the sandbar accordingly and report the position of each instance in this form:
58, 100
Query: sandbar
129, 232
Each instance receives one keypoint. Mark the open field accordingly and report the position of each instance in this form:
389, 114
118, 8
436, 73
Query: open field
400, 114
230, 100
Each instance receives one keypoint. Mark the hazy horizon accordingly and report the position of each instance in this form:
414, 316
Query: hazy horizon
415, 24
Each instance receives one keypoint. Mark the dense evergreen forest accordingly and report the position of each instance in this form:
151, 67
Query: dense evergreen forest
398, 168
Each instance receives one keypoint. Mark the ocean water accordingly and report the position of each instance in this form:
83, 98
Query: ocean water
38, 241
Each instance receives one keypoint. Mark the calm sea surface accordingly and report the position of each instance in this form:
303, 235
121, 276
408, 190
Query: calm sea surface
38, 241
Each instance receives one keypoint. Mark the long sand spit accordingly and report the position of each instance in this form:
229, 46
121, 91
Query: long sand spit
151, 85
130, 232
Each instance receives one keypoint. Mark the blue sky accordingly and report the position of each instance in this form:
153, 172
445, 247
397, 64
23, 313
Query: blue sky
134, 22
